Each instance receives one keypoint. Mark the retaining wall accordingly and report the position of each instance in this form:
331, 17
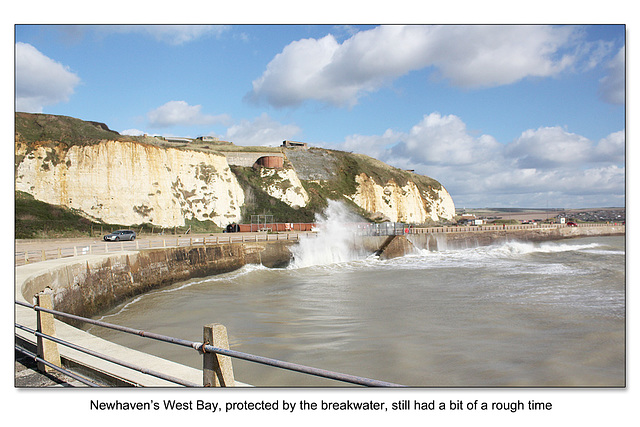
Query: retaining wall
88, 286
248, 158
455, 240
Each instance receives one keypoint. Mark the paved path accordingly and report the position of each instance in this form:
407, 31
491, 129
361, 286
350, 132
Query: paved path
26, 317
28, 376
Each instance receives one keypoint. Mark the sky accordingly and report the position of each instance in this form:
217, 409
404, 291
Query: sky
501, 115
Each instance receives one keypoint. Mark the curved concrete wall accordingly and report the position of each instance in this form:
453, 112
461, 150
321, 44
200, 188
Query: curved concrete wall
89, 285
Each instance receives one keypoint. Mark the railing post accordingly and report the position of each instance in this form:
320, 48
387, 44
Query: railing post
46, 349
217, 370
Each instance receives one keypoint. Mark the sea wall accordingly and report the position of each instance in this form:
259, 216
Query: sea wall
86, 286
465, 239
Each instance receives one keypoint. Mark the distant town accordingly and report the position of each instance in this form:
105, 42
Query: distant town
488, 215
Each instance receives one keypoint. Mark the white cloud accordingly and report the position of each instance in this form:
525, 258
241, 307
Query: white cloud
466, 56
444, 140
40, 81
612, 148
373, 145
612, 86
549, 147
544, 166
263, 130
175, 113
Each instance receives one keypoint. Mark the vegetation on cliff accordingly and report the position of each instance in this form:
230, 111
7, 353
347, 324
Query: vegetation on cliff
36, 219
32, 128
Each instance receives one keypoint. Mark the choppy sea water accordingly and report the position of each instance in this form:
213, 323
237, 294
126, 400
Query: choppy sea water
509, 314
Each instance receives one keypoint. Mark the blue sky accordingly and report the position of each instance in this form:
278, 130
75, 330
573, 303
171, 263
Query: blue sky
501, 115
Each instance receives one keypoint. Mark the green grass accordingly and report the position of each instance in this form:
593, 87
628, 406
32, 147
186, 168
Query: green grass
198, 226
35, 219
45, 127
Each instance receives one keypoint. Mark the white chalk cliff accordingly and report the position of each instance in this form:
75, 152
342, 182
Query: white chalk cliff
284, 184
132, 183
403, 204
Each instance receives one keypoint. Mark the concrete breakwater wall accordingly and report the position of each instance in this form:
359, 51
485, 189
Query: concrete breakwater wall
89, 286
401, 245
456, 240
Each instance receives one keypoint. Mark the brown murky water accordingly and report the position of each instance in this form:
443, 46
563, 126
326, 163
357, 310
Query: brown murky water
512, 314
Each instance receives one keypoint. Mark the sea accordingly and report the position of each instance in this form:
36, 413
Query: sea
511, 314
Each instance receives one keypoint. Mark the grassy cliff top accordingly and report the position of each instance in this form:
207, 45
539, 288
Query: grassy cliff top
31, 128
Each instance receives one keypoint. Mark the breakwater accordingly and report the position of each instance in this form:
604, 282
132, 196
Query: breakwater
87, 286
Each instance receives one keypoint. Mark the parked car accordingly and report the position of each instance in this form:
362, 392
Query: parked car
571, 224
120, 235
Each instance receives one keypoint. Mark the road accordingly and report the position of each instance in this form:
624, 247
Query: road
28, 251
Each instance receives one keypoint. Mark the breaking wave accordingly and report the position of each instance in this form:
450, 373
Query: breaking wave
334, 242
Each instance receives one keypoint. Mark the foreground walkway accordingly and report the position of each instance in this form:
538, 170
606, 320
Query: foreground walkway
27, 317
28, 376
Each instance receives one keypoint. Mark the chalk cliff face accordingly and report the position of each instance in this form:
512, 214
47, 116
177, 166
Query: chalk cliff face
284, 184
119, 180
132, 183
403, 204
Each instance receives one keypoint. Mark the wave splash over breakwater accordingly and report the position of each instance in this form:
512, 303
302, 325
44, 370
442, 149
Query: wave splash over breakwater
334, 242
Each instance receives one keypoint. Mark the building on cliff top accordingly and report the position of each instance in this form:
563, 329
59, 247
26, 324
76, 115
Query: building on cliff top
294, 144
214, 140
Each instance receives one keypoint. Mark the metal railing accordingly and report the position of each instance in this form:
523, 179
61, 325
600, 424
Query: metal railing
207, 349
385, 229
502, 227
27, 256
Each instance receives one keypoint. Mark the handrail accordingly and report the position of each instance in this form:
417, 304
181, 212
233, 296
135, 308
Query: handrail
30, 256
206, 348
146, 371
57, 368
